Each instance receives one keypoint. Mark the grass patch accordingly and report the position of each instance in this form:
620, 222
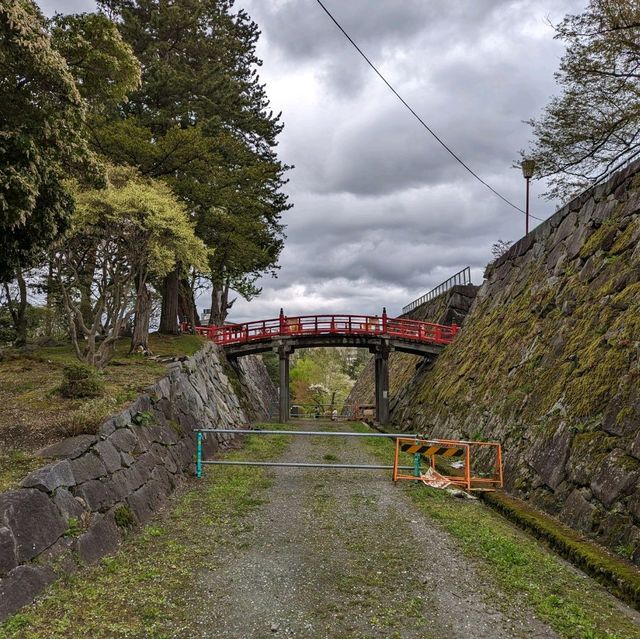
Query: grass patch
141, 590
575, 608
32, 411
14, 466
619, 576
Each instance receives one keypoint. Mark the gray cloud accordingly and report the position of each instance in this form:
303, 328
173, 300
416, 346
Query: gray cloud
382, 213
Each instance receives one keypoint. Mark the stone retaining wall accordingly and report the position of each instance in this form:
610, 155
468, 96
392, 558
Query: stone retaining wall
76, 509
548, 363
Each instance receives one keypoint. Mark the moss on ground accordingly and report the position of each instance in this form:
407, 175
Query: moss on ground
140, 591
618, 576
33, 413
575, 608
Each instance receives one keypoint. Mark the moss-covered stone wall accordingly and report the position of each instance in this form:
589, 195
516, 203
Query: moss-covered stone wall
548, 363
449, 308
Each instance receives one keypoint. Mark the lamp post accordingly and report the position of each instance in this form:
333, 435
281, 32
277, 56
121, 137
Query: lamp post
528, 167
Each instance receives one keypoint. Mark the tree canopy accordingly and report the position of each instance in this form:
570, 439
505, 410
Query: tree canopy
593, 126
47, 99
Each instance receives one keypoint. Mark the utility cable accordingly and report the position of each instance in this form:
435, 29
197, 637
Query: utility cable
417, 117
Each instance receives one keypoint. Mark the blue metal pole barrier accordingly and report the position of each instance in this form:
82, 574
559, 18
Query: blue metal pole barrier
199, 457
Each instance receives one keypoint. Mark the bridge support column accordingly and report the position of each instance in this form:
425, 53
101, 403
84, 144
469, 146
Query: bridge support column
382, 385
284, 352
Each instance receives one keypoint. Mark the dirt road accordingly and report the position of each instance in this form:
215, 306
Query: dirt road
345, 553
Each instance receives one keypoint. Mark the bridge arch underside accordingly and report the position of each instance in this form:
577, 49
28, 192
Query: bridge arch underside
380, 346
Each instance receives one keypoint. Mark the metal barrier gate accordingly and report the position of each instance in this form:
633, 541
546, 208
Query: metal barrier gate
414, 445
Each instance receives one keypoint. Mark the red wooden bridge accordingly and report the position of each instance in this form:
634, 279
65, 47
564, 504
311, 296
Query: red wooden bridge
380, 334
322, 325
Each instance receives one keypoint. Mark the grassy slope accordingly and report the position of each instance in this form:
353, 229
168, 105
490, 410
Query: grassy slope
33, 414
576, 607
139, 592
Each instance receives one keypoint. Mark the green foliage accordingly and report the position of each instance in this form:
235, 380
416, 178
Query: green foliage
142, 418
124, 517
591, 127
81, 381
319, 375
103, 65
74, 527
141, 218
42, 134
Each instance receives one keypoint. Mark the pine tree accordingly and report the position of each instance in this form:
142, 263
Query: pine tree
201, 121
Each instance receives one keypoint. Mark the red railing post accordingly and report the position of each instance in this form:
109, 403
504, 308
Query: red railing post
283, 322
384, 320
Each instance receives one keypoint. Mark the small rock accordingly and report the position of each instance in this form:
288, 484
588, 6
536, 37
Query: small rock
275, 627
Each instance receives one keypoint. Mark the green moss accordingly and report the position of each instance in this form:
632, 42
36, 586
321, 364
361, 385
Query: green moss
620, 577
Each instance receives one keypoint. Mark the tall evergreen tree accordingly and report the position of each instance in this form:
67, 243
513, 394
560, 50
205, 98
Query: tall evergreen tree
201, 121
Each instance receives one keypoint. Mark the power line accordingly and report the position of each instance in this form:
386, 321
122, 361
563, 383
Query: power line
417, 117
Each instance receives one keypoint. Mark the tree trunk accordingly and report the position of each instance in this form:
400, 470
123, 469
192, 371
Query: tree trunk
169, 312
85, 284
187, 304
18, 310
219, 303
142, 317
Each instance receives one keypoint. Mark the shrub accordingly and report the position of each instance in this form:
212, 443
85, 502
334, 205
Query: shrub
124, 517
87, 418
81, 381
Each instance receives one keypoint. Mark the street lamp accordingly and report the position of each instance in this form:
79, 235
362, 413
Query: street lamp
528, 167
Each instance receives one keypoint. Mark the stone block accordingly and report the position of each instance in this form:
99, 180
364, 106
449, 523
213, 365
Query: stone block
33, 519
622, 415
98, 495
50, 477
68, 505
123, 419
126, 481
21, 586
635, 446
124, 440
146, 463
616, 474
109, 456
549, 454
69, 448
8, 558
108, 427
127, 460
61, 556
102, 538
166, 481
567, 227
87, 467
146, 500
578, 512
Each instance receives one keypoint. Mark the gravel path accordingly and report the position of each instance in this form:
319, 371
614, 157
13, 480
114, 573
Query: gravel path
344, 553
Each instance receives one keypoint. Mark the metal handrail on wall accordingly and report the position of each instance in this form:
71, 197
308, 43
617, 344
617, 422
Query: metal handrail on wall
459, 279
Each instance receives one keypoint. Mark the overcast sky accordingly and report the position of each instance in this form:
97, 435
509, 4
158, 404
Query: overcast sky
381, 212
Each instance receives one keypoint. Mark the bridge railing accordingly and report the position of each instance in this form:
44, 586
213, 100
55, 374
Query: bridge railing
327, 325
